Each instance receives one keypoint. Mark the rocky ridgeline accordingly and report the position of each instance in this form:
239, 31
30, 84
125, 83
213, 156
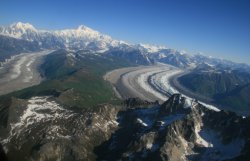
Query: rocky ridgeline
41, 129
174, 131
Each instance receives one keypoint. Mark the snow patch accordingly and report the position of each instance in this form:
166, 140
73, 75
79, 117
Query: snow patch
39, 109
141, 122
199, 139
220, 151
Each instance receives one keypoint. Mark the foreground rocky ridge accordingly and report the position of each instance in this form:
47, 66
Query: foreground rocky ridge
41, 129
174, 131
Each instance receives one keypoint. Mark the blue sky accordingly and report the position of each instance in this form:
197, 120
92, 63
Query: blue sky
220, 28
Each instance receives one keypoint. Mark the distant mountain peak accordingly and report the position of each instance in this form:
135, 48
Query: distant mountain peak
152, 48
23, 26
78, 38
83, 27
83, 30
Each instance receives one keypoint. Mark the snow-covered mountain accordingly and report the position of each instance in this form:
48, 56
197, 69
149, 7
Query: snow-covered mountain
150, 48
19, 30
79, 38
173, 57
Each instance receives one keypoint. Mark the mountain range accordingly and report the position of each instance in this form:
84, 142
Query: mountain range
82, 37
86, 38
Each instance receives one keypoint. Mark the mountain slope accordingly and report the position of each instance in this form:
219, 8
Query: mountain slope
10, 46
75, 78
238, 98
45, 130
226, 86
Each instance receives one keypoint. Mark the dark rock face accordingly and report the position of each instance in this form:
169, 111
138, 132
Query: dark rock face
41, 129
10, 46
174, 105
3, 156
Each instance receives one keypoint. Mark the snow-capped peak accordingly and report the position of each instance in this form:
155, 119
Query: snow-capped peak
83, 27
22, 26
78, 38
152, 48
80, 32
18, 30
87, 30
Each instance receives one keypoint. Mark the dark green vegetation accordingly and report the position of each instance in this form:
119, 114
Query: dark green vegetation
228, 88
75, 79
238, 98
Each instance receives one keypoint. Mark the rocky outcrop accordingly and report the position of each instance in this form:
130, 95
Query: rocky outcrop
175, 104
